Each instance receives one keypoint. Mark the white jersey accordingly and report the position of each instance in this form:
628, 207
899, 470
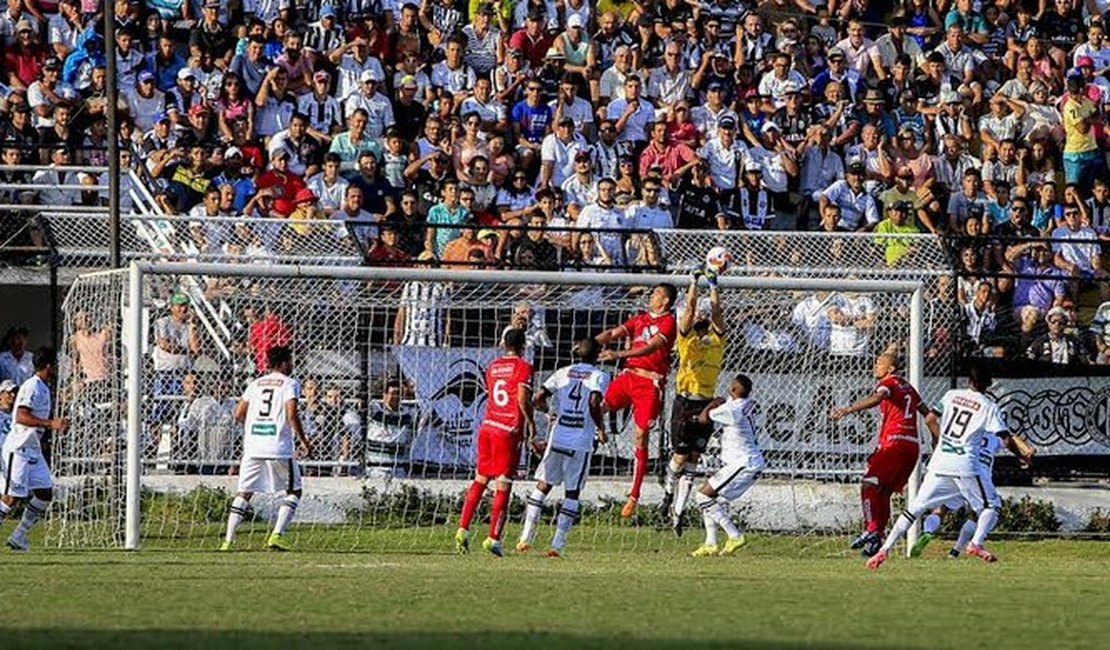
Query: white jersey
572, 387
969, 421
739, 441
34, 394
268, 434
5, 426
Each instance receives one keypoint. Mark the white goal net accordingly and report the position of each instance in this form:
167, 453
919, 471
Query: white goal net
392, 368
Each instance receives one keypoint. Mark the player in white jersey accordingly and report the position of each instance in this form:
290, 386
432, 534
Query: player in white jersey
270, 408
8, 389
742, 463
26, 475
968, 419
579, 389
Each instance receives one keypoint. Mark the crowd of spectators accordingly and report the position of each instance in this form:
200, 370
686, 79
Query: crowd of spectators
470, 133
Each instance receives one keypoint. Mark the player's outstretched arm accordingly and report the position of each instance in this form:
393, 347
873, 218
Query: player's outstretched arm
293, 415
1020, 448
614, 334
656, 342
687, 320
716, 315
871, 401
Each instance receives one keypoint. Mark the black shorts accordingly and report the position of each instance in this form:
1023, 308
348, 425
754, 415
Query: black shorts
687, 434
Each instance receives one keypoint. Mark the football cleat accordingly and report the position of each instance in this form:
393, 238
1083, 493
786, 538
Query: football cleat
876, 560
493, 546
953, 553
523, 547
462, 541
871, 547
277, 542
981, 553
18, 542
629, 508
665, 505
733, 545
225, 546
553, 552
705, 550
920, 544
862, 540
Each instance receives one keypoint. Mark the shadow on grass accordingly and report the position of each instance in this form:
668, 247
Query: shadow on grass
213, 640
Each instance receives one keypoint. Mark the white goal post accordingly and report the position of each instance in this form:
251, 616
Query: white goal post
136, 324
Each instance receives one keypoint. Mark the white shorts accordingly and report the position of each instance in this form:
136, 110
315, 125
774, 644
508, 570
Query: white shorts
269, 475
25, 472
734, 479
565, 466
936, 490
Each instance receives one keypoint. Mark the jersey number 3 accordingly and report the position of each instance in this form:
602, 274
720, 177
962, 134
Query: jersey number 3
267, 409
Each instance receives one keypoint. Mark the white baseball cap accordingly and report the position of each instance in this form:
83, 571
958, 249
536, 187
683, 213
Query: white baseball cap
7, 386
574, 20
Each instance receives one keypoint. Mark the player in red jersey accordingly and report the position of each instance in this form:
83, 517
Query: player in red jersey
643, 379
507, 419
889, 466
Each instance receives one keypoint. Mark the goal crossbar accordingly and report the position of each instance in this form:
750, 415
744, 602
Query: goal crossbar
140, 269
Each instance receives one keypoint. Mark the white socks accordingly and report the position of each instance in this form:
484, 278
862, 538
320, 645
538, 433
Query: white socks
33, 511
532, 515
671, 476
966, 532
932, 523
987, 519
685, 486
568, 513
712, 508
285, 513
903, 523
238, 510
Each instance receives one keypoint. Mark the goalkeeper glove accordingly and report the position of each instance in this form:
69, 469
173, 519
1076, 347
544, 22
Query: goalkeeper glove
710, 278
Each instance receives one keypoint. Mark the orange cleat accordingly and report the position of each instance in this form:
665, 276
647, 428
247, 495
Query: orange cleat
981, 553
629, 508
876, 560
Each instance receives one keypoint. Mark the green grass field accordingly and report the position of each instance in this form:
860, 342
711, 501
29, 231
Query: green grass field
776, 594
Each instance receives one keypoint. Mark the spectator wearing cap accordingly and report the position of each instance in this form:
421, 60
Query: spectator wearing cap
211, 36
895, 44
377, 106
837, 72
180, 99
532, 41
632, 114
893, 231
323, 111
409, 113
16, 361
858, 210
662, 153
23, 58
778, 163
510, 77
780, 79
749, 206
11, 19
452, 74
484, 45
725, 155
874, 113
176, 343
1057, 345
1096, 87
793, 120
558, 151
328, 185
352, 59
707, 116
46, 93
145, 101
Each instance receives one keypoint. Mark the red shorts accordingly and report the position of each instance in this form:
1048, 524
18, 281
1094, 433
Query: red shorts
893, 464
498, 453
639, 392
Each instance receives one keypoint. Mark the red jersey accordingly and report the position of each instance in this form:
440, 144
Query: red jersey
899, 410
504, 377
642, 329
265, 334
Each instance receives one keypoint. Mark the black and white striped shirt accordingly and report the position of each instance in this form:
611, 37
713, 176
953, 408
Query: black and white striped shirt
321, 39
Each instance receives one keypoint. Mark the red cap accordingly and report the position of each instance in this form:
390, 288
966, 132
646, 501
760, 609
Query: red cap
198, 109
304, 195
1084, 62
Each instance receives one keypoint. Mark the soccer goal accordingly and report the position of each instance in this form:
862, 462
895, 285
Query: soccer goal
391, 363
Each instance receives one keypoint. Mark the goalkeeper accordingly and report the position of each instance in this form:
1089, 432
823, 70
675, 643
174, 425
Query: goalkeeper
701, 351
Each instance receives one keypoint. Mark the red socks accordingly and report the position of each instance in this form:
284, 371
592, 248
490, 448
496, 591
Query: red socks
639, 469
470, 504
876, 507
500, 509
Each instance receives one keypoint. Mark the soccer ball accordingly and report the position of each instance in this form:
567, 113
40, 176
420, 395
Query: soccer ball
718, 259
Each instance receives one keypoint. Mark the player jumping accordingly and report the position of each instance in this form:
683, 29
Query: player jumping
27, 478
889, 466
578, 389
701, 350
743, 462
269, 408
642, 381
968, 419
508, 416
